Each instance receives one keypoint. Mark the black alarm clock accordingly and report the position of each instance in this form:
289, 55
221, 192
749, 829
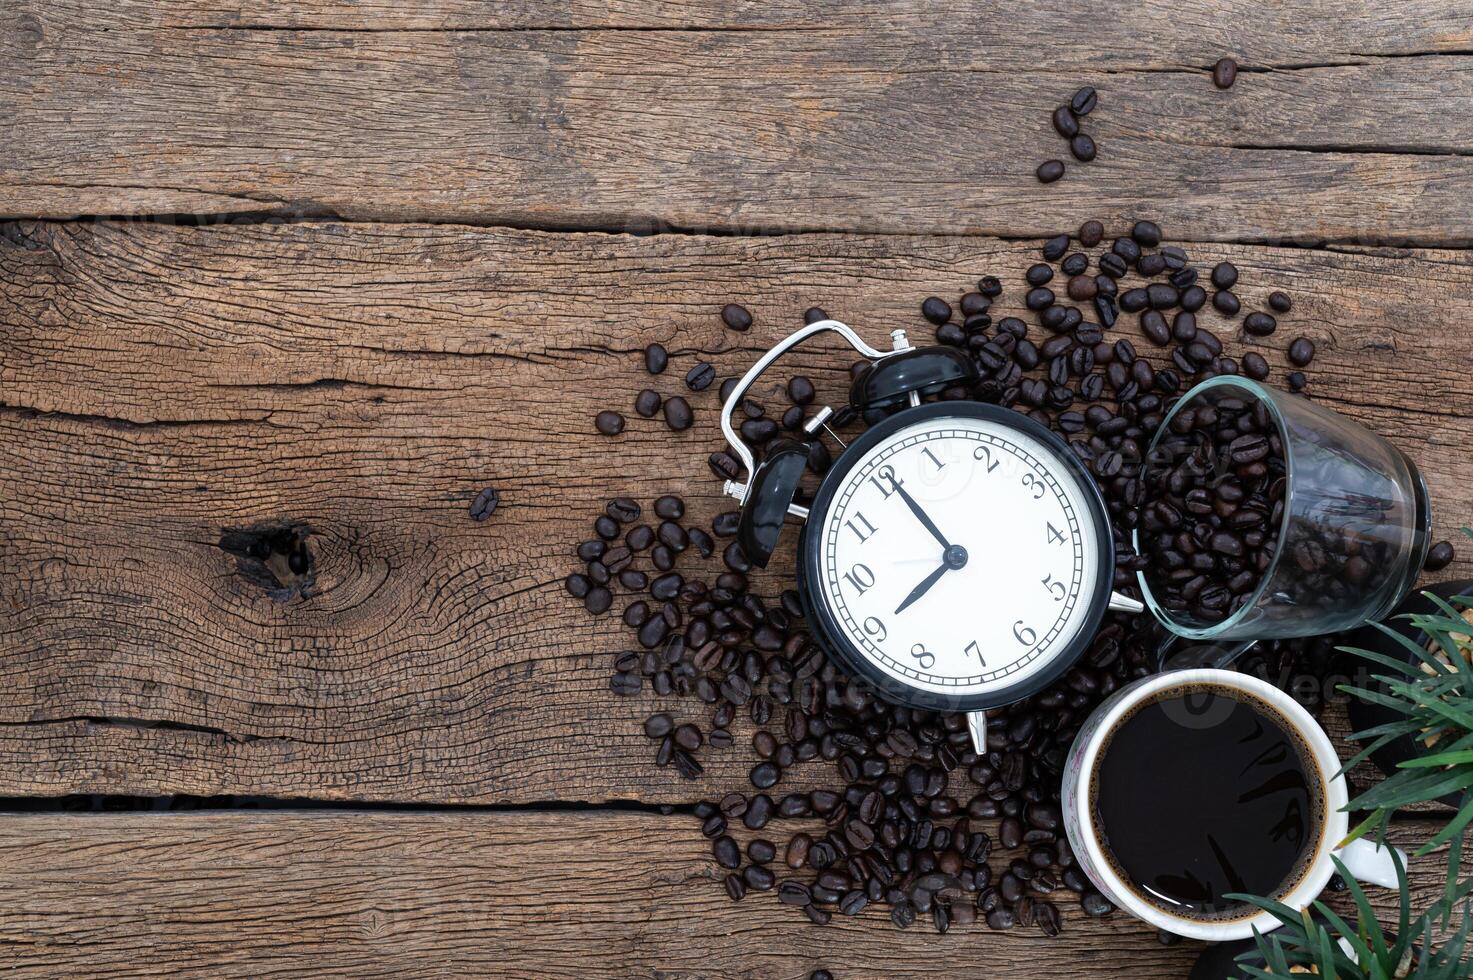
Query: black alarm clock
957, 556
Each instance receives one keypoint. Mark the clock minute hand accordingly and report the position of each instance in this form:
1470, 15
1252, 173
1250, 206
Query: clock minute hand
923, 588
921, 515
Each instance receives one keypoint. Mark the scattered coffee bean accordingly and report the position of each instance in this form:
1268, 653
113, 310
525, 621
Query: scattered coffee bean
1439, 556
656, 358
1260, 324
481, 508
647, 404
1065, 122
1301, 352
736, 317
677, 413
814, 314
1083, 147
1050, 171
1091, 233
1280, 302
936, 309
1225, 303
1224, 73
1224, 275
700, 377
609, 423
1083, 101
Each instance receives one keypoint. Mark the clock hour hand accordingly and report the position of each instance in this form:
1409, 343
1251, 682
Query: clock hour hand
921, 515
923, 588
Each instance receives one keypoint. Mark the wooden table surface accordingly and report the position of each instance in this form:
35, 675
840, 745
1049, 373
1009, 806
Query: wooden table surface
339, 266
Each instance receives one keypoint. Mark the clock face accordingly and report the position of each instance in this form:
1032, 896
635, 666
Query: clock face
960, 554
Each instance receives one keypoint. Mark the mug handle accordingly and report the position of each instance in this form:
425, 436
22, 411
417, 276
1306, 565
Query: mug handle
1369, 861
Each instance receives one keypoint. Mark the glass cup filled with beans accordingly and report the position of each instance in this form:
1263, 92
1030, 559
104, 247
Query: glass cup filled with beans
1274, 517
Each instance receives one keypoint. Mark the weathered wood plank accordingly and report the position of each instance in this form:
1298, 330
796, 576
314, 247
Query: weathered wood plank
163, 383
544, 895
934, 124
1180, 34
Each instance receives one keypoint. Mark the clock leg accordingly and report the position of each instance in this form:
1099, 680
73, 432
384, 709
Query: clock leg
977, 725
1124, 603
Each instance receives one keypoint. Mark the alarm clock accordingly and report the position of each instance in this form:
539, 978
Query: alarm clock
957, 555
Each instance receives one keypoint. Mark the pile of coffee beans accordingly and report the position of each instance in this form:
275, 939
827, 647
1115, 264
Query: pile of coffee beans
1216, 483
854, 801
1067, 120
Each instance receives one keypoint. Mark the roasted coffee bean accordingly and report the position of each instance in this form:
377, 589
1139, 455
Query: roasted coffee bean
656, 358
1254, 366
1224, 275
1091, 233
700, 377
1301, 352
759, 812
1081, 288
1083, 101
1146, 233
1225, 303
726, 852
1439, 556
677, 413
1112, 265
1224, 73
1259, 324
800, 390
1193, 298
1153, 325
1083, 147
1050, 171
1066, 124
1280, 302
1151, 264
1095, 904
481, 508
1039, 273
761, 851
736, 888
1296, 380
1038, 299
737, 318
758, 878
814, 314
609, 423
577, 585
647, 404
936, 309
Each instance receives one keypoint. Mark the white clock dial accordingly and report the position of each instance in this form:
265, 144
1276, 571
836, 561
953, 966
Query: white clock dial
1015, 584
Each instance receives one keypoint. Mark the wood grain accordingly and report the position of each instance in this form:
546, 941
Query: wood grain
1179, 34
934, 124
161, 384
514, 895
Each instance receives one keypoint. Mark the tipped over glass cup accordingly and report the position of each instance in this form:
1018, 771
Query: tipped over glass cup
1354, 530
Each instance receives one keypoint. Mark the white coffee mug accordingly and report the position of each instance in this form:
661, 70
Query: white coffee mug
1364, 859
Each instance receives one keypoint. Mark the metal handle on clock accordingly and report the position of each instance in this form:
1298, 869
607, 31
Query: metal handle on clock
739, 490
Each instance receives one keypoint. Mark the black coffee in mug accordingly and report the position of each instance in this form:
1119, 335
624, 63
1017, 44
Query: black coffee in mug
1203, 792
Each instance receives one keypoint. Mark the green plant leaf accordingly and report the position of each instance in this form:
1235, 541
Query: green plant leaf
1415, 786
1441, 759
